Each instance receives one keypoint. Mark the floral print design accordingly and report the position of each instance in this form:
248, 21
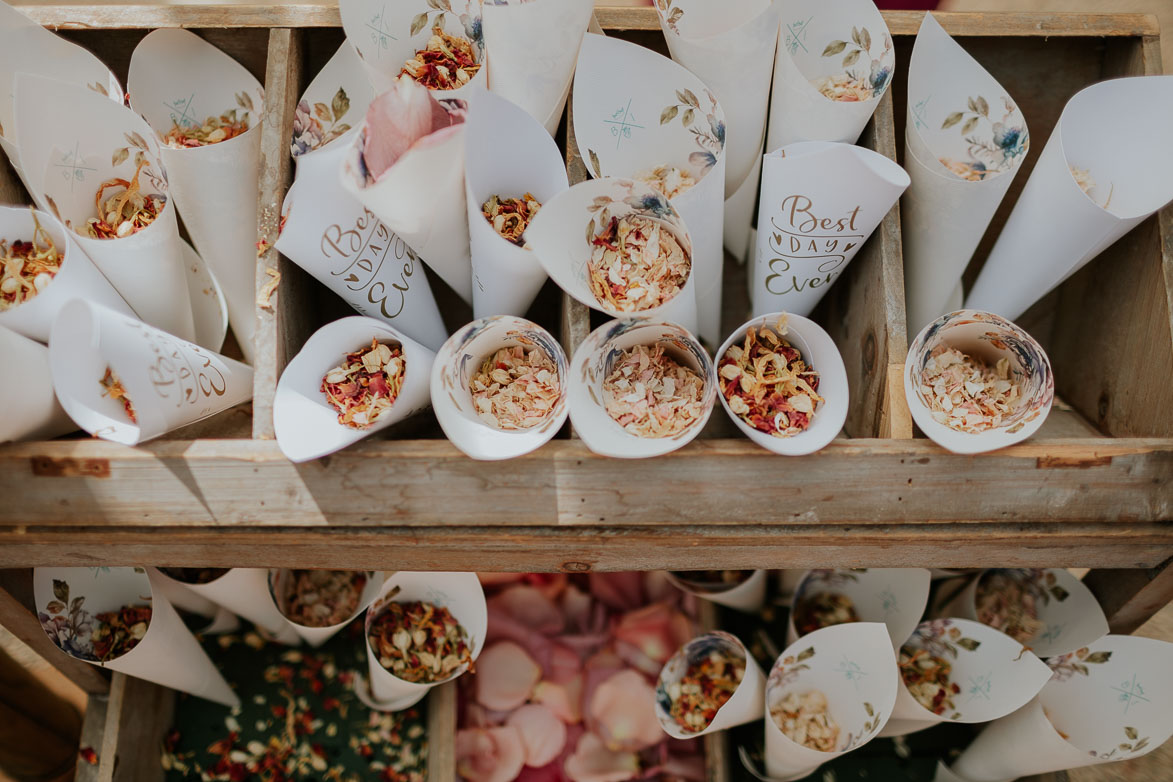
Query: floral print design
941, 638
68, 624
994, 146
670, 15
316, 126
1076, 663
709, 135
875, 72
471, 23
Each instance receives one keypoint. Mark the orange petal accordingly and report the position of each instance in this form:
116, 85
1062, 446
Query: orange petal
505, 676
542, 733
623, 712
593, 762
489, 754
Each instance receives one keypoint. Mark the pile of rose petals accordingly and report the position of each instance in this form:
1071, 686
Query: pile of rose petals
565, 686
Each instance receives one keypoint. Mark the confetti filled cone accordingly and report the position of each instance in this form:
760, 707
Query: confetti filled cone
746, 704
279, 583
245, 592
894, 596
747, 595
333, 103
220, 619
31, 409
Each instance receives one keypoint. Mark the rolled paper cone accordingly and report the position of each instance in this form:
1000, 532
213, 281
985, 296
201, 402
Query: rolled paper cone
245, 592
306, 425
461, 357
533, 45
820, 353
560, 236
987, 337
945, 774
746, 704
958, 112
1056, 227
66, 168
170, 382
334, 103
209, 311
178, 79
316, 636
820, 202
1106, 702
460, 593
521, 158
897, 597
69, 600
846, 39
627, 127
788, 581
31, 409
747, 596
592, 363
220, 619
739, 208
1069, 616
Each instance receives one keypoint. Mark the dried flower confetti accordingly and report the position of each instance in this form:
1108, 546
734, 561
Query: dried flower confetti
420, 642
806, 721
669, 180
1005, 604
845, 87
445, 63
194, 575
117, 632
970, 171
705, 687
965, 394
28, 267
767, 384
366, 385
214, 130
927, 679
112, 387
636, 264
322, 598
510, 216
823, 609
515, 388
126, 212
650, 394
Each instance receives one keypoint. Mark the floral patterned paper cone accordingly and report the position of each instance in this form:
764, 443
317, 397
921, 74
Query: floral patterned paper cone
746, 704
841, 47
988, 338
177, 80
747, 595
305, 423
72, 141
245, 592
965, 140
820, 202
1106, 702
460, 593
167, 382
335, 102
894, 596
31, 409
470, 426
533, 45
666, 118
738, 232
70, 602
1111, 137
595, 361
516, 157
279, 582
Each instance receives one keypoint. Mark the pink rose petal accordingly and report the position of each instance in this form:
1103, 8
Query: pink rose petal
564, 700
489, 754
623, 713
398, 119
593, 762
530, 606
542, 733
505, 676
657, 631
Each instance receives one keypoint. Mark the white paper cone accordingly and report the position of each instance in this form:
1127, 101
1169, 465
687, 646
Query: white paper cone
209, 311
533, 45
990, 338
747, 596
894, 596
739, 208
335, 102
745, 705
957, 111
31, 410
460, 593
170, 382
1069, 614
592, 363
788, 581
558, 236
945, 774
1111, 700
820, 202
168, 654
305, 424
178, 78
245, 592
71, 140
278, 579
382, 34
182, 598
461, 357
1117, 132
625, 127
822, 39
507, 154
820, 353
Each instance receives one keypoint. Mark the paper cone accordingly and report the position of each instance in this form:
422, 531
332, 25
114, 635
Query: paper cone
71, 140
386, 35
957, 111
945, 774
460, 593
209, 311
335, 102
819, 40
245, 592
177, 78
746, 596
739, 209
821, 354
1110, 699
507, 154
745, 705
989, 338
31, 409
1112, 130
820, 202
219, 619
897, 597
1069, 615
170, 382
625, 127
558, 236
851, 665
168, 654
788, 581
305, 424
461, 357
592, 363
278, 579
533, 45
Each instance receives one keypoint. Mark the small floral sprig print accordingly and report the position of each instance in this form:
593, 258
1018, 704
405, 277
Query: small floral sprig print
1133, 744
652, 204
472, 24
67, 623
999, 142
787, 670
1074, 663
141, 158
869, 727
317, 126
672, 16
99, 88
709, 136
878, 73
941, 638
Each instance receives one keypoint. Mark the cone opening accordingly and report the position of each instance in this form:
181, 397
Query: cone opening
698, 682
354, 388
19, 224
94, 614
319, 599
840, 63
710, 582
441, 617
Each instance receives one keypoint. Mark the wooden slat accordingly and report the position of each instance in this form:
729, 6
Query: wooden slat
138, 716
1130, 597
93, 727
442, 732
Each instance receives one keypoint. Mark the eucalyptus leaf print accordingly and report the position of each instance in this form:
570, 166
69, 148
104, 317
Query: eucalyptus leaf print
864, 76
318, 125
1065, 666
993, 145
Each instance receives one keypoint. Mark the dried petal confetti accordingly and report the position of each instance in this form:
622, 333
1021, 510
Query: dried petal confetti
28, 267
510, 216
965, 394
1006, 604
420, 642
364, 387
650, 394
117, 632
823, 609
126, 212
927, 679
112, 387
321, 598
194, 575
707, 684
845, 87
636, 264
767, 383
669, 180
214, 130
806, 721
515, 388
445, 63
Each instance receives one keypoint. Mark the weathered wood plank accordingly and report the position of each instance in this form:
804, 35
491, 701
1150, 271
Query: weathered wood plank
93, 727
138, 716
442, 732
1130, 597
